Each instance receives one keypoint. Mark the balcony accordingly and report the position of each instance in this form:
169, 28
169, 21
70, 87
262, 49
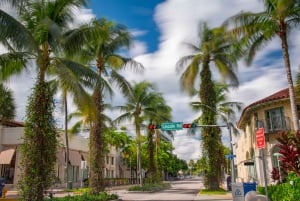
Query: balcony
274, 125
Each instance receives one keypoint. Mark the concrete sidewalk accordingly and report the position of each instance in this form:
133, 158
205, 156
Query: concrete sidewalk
227, 197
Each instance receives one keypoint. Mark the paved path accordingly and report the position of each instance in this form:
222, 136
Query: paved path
184, 190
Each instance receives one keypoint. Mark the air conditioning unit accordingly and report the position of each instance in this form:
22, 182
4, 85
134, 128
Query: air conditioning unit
83, 165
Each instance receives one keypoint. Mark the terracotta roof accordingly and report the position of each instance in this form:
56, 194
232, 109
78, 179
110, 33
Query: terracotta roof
282, 94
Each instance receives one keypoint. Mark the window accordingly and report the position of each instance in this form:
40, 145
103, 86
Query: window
275, 119
107, 160
112, 160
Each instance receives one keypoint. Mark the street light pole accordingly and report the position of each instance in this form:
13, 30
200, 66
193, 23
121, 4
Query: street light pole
231, 153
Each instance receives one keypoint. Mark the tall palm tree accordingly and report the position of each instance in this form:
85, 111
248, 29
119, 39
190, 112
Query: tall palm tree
36, 36
68, 83
256, 29
102, 40
160, 113
139, 104
225, 110
215, 47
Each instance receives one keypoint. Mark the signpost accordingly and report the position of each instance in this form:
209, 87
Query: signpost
260, 138
171, 126
260, 143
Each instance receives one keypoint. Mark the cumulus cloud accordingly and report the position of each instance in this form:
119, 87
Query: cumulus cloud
178, 23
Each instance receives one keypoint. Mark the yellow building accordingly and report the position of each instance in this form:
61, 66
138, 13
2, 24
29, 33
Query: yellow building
272, 113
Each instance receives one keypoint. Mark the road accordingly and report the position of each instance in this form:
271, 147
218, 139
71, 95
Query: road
183, 190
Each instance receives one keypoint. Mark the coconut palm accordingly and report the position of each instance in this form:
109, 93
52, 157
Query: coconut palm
36, 36
225, 110
140, 103
103, 39
255, 30
68, 83
215, 47
160, 113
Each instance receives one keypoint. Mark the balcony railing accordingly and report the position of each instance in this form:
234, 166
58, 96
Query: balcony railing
274, 125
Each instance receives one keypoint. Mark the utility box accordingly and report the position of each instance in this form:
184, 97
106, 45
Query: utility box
251, 186
238, 192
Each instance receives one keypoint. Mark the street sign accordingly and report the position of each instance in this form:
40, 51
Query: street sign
260, 138
171, 126
230, 156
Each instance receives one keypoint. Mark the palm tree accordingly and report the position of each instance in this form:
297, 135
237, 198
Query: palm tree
36, 36
102, 40
7, 104
254, 30
216, 47
139, 104
160, 113
69, 83
226, 111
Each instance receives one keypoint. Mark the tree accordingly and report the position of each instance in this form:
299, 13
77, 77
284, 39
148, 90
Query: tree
158, 113
215, 46
67, 82
255, 30
35, 37
139, 104
7, 104
99, 41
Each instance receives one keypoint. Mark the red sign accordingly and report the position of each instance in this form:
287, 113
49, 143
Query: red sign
260, 138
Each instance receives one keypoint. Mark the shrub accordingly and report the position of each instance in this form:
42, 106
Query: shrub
289, 191
150, 187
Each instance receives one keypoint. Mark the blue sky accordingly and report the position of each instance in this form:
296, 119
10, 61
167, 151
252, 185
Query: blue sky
135, 14
159, 29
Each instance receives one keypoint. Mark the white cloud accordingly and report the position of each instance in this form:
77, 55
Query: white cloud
178, 22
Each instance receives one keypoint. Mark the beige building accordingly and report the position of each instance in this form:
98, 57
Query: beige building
11, 138
272, 113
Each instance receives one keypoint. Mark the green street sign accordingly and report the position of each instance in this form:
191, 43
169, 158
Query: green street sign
171, 126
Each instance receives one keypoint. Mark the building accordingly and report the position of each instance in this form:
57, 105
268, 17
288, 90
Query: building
11, 138
272, 113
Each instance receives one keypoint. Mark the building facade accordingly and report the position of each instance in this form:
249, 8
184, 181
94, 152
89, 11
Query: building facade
273, 114
11, 138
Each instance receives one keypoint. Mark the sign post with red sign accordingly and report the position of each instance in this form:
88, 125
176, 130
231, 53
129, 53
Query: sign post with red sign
260, 138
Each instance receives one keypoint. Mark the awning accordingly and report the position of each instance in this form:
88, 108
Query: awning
6, 156
60, 158
75, 158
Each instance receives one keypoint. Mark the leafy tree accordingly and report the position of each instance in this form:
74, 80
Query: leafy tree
7, 104
35, 37
255, 30
215, 46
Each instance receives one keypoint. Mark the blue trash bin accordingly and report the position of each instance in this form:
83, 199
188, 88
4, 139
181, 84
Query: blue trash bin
251, 186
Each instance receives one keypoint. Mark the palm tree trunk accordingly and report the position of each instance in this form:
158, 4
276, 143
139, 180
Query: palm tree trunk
286, 58
151, 167
97, 158
139, 149
67, 138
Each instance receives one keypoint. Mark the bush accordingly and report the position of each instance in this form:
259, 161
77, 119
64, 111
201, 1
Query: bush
289, 191
87, 197
150, 187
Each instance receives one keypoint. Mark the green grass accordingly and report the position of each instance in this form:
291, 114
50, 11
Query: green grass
210, 192
150, 187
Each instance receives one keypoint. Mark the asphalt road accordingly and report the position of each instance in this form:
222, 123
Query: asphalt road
183, 190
